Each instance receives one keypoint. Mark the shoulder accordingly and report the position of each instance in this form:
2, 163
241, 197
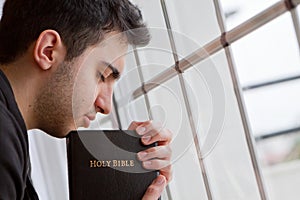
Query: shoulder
13, 156
13, 141
11, 134
8, 122
6, 117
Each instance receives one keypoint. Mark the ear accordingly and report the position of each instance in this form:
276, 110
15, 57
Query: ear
49, 49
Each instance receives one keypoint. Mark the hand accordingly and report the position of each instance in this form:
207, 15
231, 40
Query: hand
155, 158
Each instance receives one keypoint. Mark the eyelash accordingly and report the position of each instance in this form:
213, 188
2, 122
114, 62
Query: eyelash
101, 77
115, 75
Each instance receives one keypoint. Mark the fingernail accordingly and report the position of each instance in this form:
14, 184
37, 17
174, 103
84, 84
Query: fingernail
147, 163
141, 130
142, 155
146, 139
160, 180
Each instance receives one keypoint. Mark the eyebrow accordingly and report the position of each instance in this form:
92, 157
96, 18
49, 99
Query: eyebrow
115, 72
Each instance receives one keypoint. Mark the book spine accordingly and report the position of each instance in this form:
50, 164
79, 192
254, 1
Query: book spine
69, 158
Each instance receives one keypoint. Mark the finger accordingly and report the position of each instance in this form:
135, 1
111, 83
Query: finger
155, 164
142, 127
167, 172
163, 137
153, 132
149, 127
155, 189
161, 152
133, 125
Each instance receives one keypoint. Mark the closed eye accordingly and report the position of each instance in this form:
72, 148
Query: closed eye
115, 73
109, 72
100, 76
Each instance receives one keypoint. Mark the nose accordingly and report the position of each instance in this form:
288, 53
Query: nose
103, 101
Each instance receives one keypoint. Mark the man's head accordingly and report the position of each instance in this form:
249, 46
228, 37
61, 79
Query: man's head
80, 23
75, 49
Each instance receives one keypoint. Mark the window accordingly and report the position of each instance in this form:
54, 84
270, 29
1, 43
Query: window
233, 110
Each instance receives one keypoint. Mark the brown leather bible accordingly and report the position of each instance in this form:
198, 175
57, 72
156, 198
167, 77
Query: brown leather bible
104, 165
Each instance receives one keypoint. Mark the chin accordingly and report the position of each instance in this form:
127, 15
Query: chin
58, 132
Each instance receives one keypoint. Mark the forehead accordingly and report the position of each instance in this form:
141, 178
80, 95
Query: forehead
112, 50
112, 38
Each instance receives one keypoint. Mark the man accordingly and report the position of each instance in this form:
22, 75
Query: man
59, 61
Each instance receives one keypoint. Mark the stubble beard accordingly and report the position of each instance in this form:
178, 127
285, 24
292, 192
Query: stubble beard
53, 106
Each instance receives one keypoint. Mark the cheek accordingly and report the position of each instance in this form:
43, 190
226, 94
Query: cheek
85, 93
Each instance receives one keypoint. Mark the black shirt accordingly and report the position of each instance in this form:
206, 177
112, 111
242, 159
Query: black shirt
15, 181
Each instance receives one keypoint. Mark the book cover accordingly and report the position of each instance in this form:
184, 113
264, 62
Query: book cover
104, 165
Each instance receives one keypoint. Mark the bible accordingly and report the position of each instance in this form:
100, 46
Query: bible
104, 165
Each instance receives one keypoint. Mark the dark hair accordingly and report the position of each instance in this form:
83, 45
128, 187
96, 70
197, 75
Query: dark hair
80, 23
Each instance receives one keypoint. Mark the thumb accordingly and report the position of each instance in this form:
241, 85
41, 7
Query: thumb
155, 189
134, 125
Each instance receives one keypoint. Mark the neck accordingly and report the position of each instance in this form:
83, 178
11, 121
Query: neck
25, 87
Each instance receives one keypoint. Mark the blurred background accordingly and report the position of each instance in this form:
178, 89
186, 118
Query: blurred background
234, 111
